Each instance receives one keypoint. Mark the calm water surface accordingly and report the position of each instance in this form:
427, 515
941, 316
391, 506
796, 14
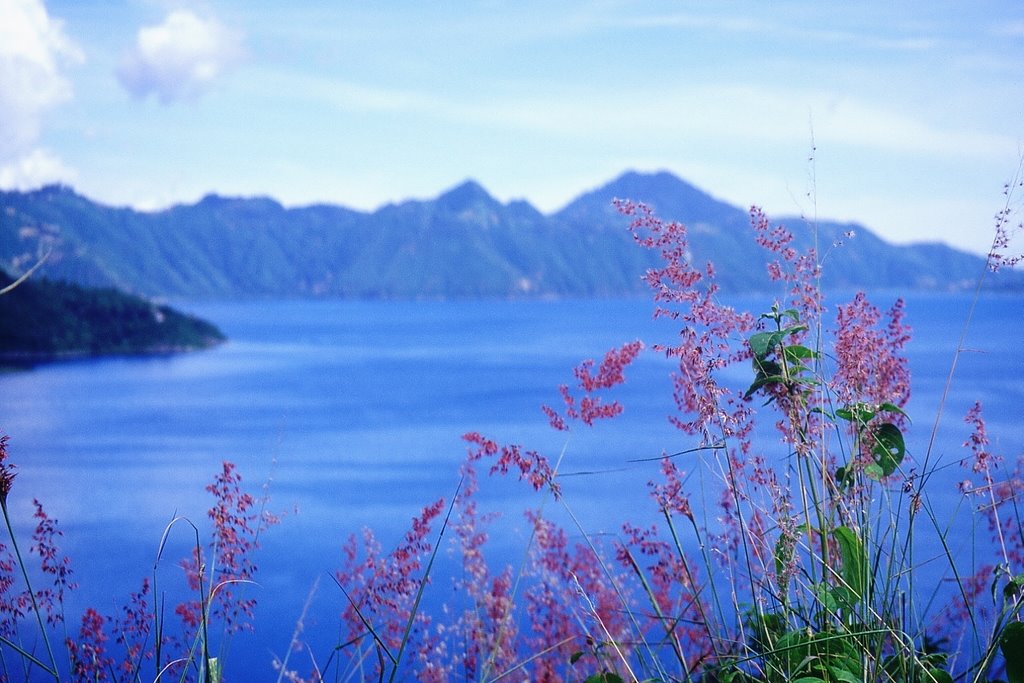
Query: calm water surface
352, 412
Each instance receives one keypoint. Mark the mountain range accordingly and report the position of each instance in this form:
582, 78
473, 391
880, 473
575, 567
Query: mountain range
463, 243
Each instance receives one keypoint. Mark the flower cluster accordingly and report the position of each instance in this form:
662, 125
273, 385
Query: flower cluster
870, 361
118, 648
609, 374
483, 637
996, 492
89, 659
7, 473
237, 523
53, 564
382, 588
799, 270
532, 466
1000, 254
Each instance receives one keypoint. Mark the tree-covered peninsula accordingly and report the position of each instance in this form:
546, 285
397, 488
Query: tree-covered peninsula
43, 320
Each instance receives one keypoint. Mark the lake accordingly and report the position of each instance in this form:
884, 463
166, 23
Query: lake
352, 412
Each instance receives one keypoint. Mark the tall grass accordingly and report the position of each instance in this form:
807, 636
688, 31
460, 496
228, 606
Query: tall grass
806, 565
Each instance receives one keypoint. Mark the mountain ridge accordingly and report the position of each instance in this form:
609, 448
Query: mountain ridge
462, 243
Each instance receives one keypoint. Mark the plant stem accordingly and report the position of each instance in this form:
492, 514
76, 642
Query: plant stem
28, 585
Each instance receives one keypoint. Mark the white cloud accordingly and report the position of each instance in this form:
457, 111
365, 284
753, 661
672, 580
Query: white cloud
33, 49
180, 58
35, 169
794, 28
724, 113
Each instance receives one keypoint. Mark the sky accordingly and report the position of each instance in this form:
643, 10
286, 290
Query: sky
907, 117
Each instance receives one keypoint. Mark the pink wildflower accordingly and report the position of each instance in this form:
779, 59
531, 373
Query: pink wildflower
6, 472
486, 630
89, 659
871, 366
708, 327
237, 524
799, 270
133, 629
609, 374
670, 496
382, 589
53, 564
531, 465
983, 460
999, 255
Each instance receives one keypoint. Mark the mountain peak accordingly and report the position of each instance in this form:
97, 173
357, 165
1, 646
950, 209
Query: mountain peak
671, 198
466, 195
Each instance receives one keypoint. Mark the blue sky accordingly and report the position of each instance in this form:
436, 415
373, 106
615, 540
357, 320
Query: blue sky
916, 109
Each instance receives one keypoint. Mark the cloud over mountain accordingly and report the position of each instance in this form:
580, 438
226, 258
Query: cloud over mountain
34, 49
37, 167
180, 58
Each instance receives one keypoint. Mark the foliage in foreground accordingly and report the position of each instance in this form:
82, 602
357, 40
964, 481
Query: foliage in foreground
804, 570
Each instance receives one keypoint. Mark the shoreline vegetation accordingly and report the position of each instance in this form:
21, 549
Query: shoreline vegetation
800, 568
44, 321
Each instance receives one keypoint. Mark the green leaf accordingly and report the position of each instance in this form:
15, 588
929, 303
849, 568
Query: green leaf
836, 598
892, 408
605, 677
889, 448
1014, 587
874, 471
1011, 642
915, 666
766, 629
933, 675
758, 383
575, 657
768, 372
762, 343
934, 660
768, 368
793, 648
861, 413
777, 315
828, 598
997, 572
855, 563
844, 675
844, 476
796, 353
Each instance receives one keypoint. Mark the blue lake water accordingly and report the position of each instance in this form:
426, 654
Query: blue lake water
352, 413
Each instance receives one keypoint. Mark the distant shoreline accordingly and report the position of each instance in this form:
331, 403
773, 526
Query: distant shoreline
26, 360
44, 321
